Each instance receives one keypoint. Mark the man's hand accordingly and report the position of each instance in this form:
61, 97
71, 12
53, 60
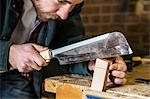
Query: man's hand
26, 57
117, 70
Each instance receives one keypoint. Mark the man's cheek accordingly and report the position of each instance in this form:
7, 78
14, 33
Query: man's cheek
47, 8
44, 9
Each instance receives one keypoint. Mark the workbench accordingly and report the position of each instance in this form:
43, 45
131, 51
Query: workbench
78, 87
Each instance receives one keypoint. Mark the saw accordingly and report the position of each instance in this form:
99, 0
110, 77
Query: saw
103, 46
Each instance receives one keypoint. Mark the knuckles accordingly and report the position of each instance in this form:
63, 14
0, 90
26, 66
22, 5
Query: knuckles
120, 81
22, 68
119, 74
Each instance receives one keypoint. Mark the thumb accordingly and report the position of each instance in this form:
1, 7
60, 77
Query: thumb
91, 65
39, 48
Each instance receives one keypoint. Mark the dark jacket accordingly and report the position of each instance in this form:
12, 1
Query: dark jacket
53, 34
59, 33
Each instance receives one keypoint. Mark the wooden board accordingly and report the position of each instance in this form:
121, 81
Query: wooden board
99, 75
132, 90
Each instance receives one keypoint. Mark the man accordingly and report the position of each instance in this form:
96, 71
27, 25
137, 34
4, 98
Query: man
56, 23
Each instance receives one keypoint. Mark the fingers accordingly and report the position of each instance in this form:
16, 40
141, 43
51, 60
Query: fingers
120, 81
28, 67
117, 71
119, 59
36, 63
117, 77
26, 57
38, 57
39, 60
39, 48
118, 66
118, 74
34, 66
24, 68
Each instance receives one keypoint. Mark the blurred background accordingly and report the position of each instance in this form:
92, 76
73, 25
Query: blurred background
131, 17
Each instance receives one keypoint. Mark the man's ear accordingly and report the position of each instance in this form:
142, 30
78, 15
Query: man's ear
76, 9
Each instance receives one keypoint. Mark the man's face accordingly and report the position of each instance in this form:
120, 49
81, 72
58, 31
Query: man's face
54, 9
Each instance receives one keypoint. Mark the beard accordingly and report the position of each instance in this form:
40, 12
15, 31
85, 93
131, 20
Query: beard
44, 16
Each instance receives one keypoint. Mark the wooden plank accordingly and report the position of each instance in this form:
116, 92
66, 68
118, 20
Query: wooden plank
131, 90
99, 76
68, 91
82, 82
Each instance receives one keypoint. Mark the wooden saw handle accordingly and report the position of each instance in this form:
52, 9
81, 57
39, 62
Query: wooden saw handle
46, 55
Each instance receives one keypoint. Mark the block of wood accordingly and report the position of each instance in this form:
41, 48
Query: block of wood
100, 75
78, 86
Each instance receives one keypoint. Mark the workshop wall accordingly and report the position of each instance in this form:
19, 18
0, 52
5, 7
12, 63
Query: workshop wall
131, 17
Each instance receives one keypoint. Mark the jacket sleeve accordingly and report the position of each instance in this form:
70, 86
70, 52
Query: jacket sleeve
9, 17
4, 54
4, 44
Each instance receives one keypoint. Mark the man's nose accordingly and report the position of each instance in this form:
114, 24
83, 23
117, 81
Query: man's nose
63, 12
